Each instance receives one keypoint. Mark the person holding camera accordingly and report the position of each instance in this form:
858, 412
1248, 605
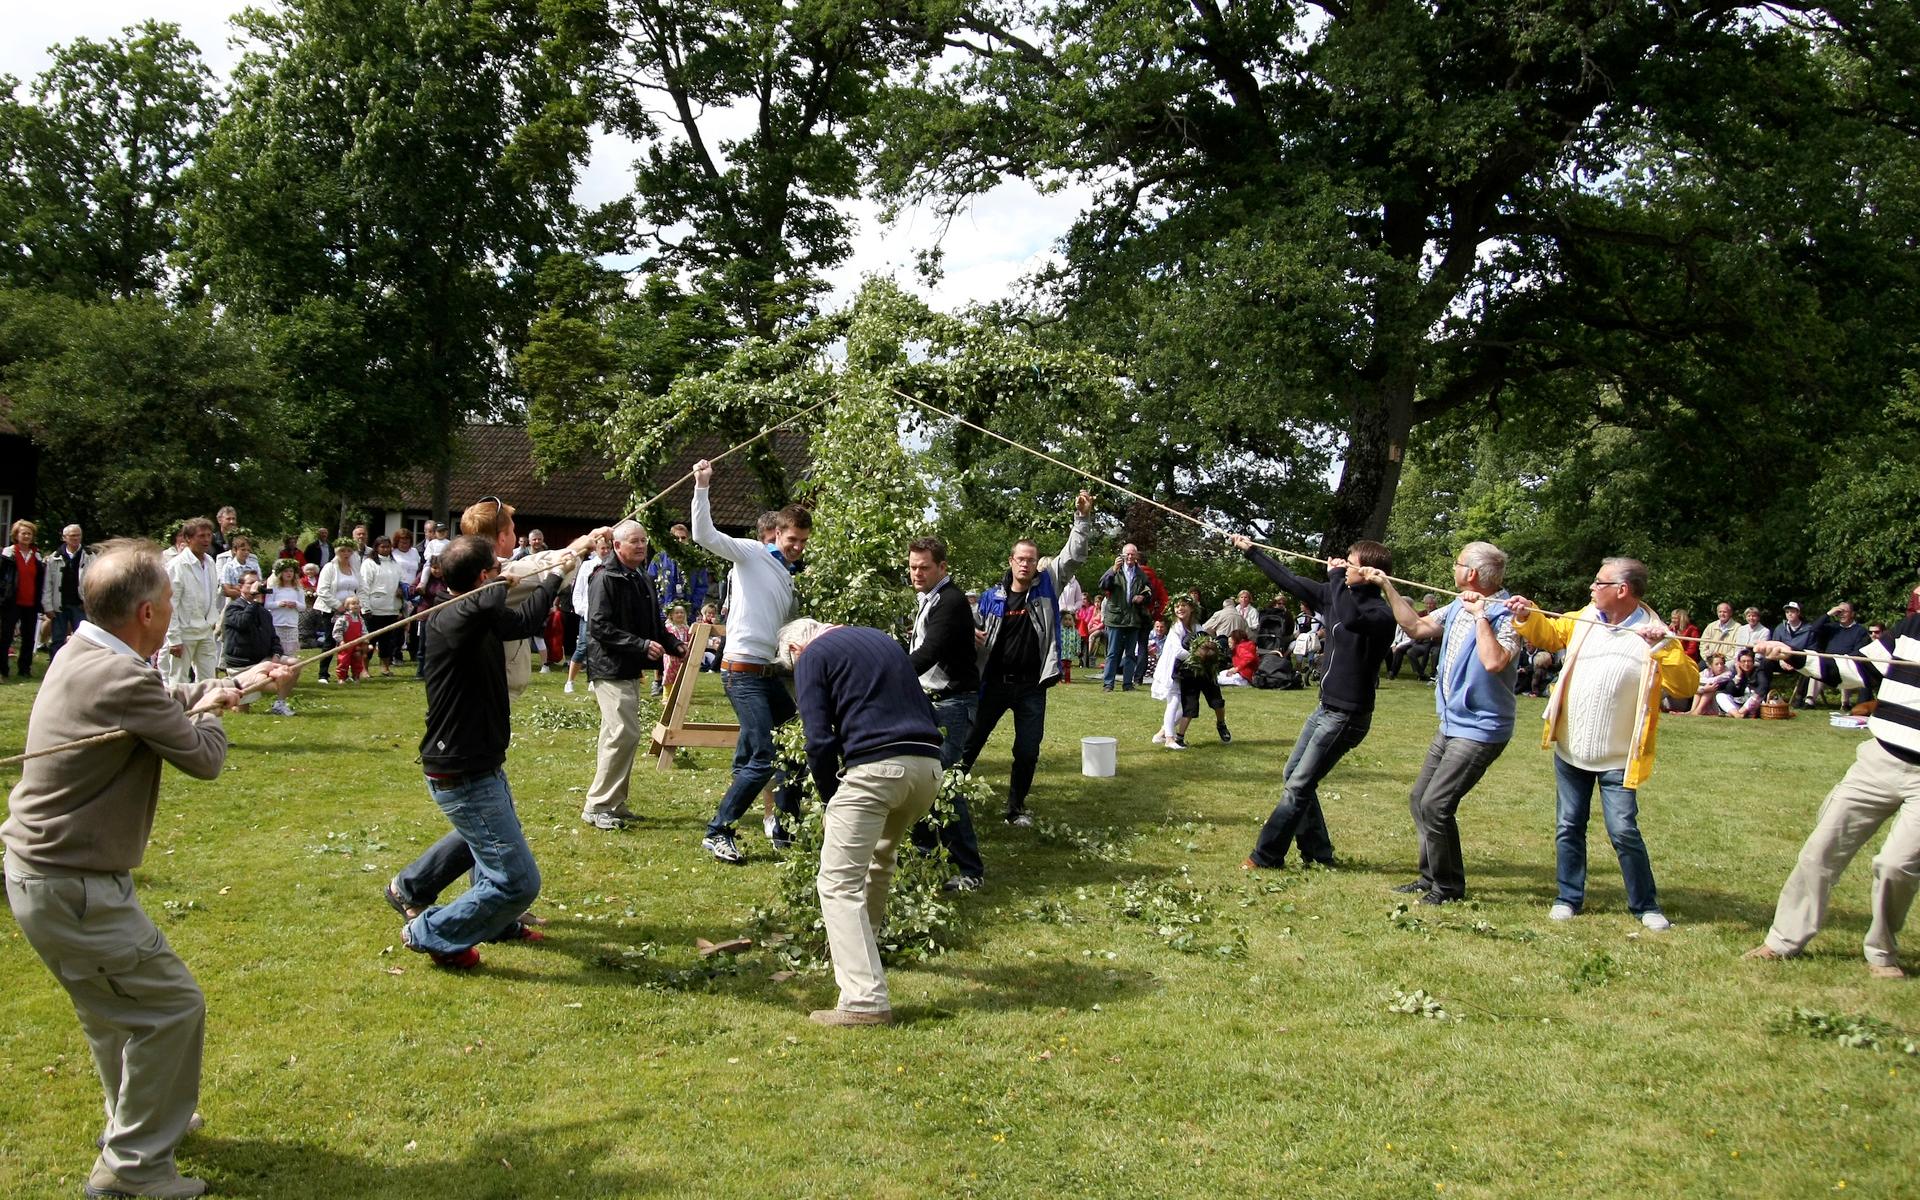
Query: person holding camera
248, 639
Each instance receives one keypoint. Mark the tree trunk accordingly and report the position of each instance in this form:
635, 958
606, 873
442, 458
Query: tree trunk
1382, 414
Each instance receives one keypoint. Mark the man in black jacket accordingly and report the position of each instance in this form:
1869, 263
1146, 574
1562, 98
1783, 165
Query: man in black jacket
247, 638
1359, 630
465, 748
943, 655
626, 638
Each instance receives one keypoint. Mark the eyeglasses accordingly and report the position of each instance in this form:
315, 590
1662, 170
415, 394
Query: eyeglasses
1608, 583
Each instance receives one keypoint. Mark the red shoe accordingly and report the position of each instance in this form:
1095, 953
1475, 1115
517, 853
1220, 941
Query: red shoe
520, 931
465, 960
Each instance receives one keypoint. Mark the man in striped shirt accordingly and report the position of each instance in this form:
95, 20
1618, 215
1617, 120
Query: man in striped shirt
1883, 783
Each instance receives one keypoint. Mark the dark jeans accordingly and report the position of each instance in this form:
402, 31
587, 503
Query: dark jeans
1619, 806
323, 639
506, 879
1121, 654
1327, 735
1420, 654
1028, 703
1454, 765
1140, 637
27, 619
66, 619
954, 716
388, 644
760, 703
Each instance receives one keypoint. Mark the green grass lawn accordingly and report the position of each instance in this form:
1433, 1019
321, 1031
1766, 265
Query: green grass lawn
1062, 1047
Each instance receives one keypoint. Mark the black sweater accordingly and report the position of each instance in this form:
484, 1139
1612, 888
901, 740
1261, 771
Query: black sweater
943, 650
860, 702
246, 634
1359, 630
466, 676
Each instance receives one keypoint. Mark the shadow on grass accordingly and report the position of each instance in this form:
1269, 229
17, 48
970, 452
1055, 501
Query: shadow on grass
277, 1167
1035, 985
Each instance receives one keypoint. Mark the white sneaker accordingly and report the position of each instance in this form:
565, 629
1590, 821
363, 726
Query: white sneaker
1175, 744
1655, 921
324, 679
1562, 912
1159, 739
545, 669
771, 824
569, 688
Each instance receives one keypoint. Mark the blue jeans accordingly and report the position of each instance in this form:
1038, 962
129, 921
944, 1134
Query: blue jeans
954, 717
1140, 638
1122, 651
66, 619
505, 877
760, 703
1621, 810
1325, 738
1028, 704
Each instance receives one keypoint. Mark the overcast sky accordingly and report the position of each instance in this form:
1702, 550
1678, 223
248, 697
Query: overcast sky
1002, 237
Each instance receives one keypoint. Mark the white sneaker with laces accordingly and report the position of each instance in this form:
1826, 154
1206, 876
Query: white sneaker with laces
1562, 912
569, 688
1656, 921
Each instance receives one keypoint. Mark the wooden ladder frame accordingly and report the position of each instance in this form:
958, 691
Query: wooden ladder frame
673, 730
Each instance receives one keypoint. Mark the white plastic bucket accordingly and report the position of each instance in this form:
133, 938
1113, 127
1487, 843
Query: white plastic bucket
1098, 755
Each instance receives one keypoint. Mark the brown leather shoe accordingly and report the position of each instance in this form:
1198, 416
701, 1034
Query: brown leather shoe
1765, 953
844, 1016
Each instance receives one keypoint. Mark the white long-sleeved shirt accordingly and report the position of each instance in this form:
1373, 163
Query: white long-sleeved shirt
762, 588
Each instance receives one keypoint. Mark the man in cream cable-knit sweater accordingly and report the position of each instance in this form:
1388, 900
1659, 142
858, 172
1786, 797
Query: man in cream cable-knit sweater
1600, 722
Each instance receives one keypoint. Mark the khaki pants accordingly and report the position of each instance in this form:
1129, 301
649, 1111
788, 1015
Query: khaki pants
142, 1013
1878, 786
619, 701
875, 807
196, 662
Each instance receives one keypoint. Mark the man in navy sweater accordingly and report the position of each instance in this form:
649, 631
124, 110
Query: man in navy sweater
1359, 632
874, 753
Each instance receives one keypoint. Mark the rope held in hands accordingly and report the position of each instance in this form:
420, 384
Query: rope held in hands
261, 685
1281, 550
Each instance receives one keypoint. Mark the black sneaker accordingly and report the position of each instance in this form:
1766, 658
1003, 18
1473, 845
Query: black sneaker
1412, 889
1437, 898
1022, 820
722, 847
1225, 734
963, 883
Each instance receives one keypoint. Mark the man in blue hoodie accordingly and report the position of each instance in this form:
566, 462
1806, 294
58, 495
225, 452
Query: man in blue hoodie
1473, 692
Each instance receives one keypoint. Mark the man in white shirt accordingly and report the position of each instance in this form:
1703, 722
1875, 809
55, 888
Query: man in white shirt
762, 601
193, 647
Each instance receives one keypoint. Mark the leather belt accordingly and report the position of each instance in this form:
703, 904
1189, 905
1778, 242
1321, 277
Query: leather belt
744, 668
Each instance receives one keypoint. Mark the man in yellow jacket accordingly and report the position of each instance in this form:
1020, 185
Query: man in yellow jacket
1600, 722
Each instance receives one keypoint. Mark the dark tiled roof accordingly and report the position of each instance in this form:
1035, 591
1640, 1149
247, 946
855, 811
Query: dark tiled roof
497, 460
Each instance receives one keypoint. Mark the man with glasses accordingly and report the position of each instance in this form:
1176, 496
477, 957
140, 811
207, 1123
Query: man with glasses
1600, 723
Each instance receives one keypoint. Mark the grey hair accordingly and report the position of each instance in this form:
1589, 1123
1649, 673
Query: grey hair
126, 575
71, 529
1633, 573
1485, 560
624, 528
796, 636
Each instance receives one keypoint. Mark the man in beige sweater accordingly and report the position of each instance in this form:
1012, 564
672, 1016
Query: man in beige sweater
78, 825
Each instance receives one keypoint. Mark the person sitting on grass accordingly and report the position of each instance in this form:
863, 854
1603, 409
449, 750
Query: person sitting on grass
1246, 659
1740, 695
1881, 785
1706, 702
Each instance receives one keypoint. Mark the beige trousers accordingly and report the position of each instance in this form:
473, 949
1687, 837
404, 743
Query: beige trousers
196, 662
142, 1013
1878, 786
619, 701
874, 808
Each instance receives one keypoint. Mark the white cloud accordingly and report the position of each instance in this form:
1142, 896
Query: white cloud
1000, 237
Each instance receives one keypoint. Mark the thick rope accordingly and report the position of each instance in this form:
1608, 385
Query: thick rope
1282, 550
